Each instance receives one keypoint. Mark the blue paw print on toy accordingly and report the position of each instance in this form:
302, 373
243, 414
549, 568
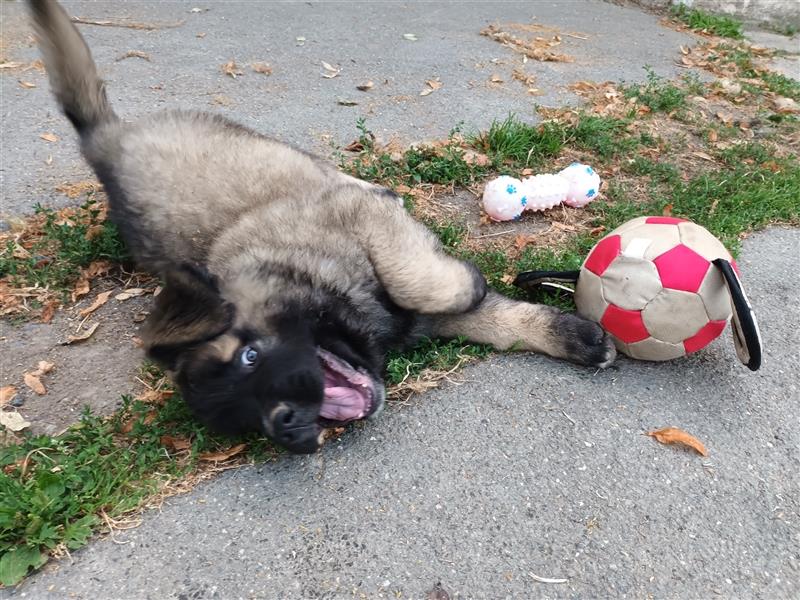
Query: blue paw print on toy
590, 193
575, 164
524, 201
511, 189
517, 217
590, 170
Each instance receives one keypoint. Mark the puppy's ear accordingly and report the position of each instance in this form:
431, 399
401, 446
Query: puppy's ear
188, 311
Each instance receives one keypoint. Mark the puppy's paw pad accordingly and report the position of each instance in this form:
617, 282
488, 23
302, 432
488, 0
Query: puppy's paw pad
585, 342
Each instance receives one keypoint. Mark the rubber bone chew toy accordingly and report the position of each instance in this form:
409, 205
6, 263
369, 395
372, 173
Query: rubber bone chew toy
506, 198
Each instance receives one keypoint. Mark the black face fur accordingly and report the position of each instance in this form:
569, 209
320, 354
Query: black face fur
239, 379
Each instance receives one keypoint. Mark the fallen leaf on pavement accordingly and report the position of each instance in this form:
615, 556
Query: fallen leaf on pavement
260, 67
331, 70
7, 394
13, 421
129, 293
433, 85
223, 454
101, 299
82, 337
365, 86
345, 102
49, 137
232, 69
48, 311
410, 37
673, 435
34, 383
26, 84
44, 367
354, 146
80, 290
135, 54
521, 241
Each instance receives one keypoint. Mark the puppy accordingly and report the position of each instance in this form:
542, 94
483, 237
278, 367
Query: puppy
286, 282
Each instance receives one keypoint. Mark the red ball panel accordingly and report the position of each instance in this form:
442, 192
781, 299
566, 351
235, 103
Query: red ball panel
705, 336
664, 220
682, 269
603, 254
625, 325
736, 268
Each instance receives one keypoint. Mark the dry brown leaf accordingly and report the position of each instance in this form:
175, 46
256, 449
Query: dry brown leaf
7, 394
82, 337
712, 135
101, 299
354, 146
48, 311
673, 435
49, 137
201, 35
135, 54
231, 69
77, 188
331, 70
26, 84
598, 230
155, 396
10, 65
127, 426
508, 279
175, 443
364, 87
222, 454
521, 241
475, 158
346, 102
34, 383
81, 289
44, 367
725, 118
667, 210
704, 156
434, 83
495, 78
13, 421
260, 67
785, 106
130, 293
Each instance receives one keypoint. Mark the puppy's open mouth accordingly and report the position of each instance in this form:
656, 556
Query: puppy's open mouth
350, 393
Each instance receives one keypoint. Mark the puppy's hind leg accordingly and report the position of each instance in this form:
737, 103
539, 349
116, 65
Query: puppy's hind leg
411, 263
510, 324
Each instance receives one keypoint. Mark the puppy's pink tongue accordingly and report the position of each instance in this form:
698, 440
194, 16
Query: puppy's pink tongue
342, 404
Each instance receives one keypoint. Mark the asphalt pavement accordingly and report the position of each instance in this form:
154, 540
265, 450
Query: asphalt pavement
528, 468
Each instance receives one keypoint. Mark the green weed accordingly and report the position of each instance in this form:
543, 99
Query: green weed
714, 24
659, 94
65, 245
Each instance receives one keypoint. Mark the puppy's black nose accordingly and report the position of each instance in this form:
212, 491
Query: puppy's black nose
295, 430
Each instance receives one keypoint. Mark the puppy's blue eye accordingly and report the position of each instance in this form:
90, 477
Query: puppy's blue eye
249, 356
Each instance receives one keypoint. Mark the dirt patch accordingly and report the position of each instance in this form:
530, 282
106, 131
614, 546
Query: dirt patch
93, 373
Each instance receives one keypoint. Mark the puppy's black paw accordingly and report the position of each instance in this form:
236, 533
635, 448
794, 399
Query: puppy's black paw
584, 341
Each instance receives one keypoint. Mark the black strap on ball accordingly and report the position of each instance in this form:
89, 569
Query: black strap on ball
547, 280
746, 336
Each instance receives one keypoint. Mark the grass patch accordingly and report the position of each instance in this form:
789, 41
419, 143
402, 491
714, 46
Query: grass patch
699, 20
513, 142
52, 256
428, 354
55, 492
658, 94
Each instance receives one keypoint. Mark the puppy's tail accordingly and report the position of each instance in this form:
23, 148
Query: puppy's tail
70, 68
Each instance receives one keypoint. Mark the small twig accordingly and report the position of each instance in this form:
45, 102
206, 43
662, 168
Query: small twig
127, 24
546, 579
488, 235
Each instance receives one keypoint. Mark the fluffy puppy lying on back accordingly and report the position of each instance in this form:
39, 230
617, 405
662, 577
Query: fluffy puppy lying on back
286, 282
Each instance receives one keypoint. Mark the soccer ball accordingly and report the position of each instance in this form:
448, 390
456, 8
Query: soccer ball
651, 285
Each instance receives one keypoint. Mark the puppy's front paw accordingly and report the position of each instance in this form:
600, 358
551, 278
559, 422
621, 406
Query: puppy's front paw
584, 342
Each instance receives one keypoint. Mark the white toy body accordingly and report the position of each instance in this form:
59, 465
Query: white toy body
506, 198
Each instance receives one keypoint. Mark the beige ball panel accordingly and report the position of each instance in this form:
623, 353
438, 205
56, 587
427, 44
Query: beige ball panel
674, 316
653, 349
656, 239
715, 296
631, 283
702, 241
628, 225
589, 296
